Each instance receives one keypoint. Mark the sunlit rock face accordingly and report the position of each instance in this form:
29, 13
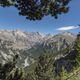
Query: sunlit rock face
21, 39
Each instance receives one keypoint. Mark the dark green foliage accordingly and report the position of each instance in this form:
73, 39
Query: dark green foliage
37, 9
77, 43
9, 71
44, 69
77, 48
31, 76
7, 3
16, 74
6, 69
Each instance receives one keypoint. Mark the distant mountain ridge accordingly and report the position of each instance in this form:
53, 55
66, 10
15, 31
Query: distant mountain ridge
30, 45
20, 38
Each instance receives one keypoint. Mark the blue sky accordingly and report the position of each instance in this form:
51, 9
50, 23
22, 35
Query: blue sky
9, 19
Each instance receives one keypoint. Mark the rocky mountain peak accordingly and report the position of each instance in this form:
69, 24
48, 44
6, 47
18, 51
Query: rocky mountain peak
68, 34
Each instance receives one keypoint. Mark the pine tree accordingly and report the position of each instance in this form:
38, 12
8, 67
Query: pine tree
77, 43
77, 48
37, 9
63, 74
30, 76
16, 74
44, 68
9, 71
6, 69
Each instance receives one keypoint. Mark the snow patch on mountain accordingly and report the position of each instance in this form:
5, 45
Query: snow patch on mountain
26, 62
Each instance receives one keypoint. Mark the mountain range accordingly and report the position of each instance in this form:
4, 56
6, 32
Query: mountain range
29, 45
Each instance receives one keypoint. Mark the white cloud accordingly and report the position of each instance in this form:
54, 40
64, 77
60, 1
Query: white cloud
68, 28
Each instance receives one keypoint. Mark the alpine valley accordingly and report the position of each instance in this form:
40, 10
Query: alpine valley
30, 45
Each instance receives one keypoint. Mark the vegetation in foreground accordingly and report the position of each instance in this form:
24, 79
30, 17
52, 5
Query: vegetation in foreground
37, 9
